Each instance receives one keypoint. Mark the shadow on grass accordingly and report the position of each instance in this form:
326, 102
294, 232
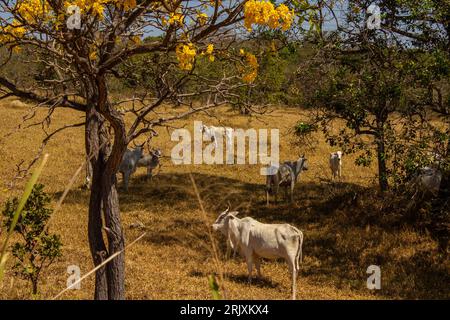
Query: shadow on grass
342, 237
261, 282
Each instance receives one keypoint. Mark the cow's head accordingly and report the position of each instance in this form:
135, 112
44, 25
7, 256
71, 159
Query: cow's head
300, 165
221, 223
305, 162
139, 152
138, 149
157, 153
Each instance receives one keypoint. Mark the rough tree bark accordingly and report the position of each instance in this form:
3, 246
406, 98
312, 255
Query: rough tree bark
115, 269
97, 163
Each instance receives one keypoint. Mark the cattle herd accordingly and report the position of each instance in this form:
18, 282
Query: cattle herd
255, 240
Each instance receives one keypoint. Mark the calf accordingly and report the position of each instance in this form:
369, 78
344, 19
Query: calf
336, 164
256, 240
129, 164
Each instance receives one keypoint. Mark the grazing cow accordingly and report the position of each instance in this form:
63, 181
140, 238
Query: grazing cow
286, 176
256, 240
215, 133
428, 179
336, 164
129, 164
150, 161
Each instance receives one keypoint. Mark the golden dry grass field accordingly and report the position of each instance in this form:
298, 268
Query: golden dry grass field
174, 258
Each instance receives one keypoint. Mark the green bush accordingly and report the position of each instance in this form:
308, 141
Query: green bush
37, 248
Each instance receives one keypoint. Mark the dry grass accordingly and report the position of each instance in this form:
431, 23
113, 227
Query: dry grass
174, 259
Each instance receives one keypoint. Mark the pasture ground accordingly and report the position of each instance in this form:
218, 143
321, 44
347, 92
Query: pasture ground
174, 259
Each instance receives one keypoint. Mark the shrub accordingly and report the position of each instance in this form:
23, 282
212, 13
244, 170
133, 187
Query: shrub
37, 249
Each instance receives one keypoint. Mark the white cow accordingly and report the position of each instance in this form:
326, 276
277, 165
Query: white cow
256, 240
336, 164
285, 176
129, 164
214, 133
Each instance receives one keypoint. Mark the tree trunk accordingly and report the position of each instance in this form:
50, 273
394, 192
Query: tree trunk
34, 283
110, 199
382, 168
116, 241
97, 245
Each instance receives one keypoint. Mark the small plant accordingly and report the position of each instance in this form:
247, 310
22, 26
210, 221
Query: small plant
302, 128
38, 249
214, 286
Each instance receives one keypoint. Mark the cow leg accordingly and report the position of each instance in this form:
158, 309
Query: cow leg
293, 271
228, 251
234, 252
149, 172
294, 284
249, 259
292, 191
277, 188
257, 265
126, 178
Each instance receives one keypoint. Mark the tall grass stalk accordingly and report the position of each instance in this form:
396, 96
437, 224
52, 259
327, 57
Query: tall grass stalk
217, 261
28, 188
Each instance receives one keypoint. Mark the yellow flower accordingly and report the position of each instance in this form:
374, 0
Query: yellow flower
176, 18
202, 18
93, 55
12, 32
33, 10
241, 52
209, 49
136, 39
250, 77
97, 9
264, 13
185, 56
126, 4
253, 65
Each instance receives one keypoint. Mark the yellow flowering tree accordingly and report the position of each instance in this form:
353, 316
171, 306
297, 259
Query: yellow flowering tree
84, 43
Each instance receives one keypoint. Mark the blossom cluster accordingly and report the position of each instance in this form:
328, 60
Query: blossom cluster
265, 13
